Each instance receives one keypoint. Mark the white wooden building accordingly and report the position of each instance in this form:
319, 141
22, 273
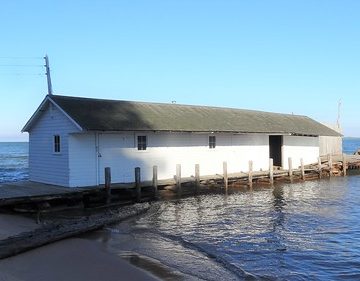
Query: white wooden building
72, 140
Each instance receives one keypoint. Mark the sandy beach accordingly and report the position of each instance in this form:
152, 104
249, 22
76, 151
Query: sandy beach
70, 259
11, 225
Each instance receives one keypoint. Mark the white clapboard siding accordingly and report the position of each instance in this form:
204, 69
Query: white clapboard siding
83, 160
84, 156
298, 147
44, 165
119, 151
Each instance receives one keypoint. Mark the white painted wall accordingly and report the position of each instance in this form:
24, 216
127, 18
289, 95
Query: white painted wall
78, 163
44, 165
82, 160
331, 145
119, 151
300, 147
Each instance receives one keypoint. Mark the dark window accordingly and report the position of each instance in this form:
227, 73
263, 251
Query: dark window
57, 144
212, 141
141, 140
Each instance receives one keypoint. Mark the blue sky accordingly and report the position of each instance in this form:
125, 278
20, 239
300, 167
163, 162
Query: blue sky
296, 57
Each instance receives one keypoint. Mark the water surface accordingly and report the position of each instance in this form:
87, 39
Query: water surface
13, 161
304, 231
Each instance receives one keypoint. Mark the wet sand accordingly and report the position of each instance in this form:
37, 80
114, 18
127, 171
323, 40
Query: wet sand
11, 225
71, 259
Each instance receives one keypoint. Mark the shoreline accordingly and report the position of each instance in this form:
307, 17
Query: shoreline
126, 249
18, 228
88, 258
72, 258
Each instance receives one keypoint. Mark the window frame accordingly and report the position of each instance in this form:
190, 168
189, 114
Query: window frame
56, 144
142, 142
212, 142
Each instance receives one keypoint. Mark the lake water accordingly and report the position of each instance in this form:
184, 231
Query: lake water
303, 231
350, 145
13, 161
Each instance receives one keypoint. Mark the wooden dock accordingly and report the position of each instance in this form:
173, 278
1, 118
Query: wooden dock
43, 196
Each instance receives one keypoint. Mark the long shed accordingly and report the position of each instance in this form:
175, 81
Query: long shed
72, 139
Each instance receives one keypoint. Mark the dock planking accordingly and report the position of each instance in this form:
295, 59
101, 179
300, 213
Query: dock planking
27, 191
33, 192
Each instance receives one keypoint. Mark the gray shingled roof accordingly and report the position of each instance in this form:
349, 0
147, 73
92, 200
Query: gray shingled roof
115, 115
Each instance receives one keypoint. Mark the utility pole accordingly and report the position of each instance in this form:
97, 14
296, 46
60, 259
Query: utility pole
339, 111
48, 78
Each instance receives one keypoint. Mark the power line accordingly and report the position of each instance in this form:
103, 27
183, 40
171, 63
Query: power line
21, 58
21, 74
21, 65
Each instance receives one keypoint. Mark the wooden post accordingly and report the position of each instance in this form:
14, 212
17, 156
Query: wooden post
319, 167
302, 169
137, 184
108, 184
155, 181
250, 173
271, 171
197, 178
344, 164
290, 169
330, 164
225, 173
178, 178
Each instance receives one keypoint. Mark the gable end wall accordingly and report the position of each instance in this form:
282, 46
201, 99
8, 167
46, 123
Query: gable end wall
44, 165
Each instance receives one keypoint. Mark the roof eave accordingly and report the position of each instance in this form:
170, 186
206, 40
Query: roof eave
202, 132
34, 116
38, 111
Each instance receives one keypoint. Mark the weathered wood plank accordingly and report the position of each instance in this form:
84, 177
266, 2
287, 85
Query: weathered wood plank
108, 184
137, 184
197, 178
302, 169
319, 167
57, 231
344, 164
250, 177
271, 171
178, 179
290, 169
330, 163
155, 181
225, 175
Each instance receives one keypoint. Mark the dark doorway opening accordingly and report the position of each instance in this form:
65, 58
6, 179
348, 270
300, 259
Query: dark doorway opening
275, 144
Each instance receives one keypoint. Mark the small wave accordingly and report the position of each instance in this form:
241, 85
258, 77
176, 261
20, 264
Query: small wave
240, 273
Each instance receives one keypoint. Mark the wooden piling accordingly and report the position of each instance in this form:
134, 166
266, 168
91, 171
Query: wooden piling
225, 174
250, 173
155, 181
330, 165
197, 178
108, 184
271, 171
319, 167
290, 169
137, 184
302, 169
178, 179
344, 164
